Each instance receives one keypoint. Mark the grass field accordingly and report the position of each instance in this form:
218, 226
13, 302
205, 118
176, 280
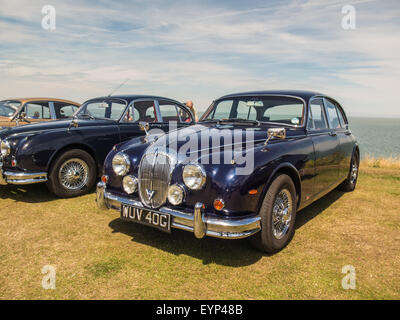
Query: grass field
98, 256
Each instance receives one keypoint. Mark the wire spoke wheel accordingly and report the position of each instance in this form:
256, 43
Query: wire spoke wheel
353, 173
282, 214
73, 174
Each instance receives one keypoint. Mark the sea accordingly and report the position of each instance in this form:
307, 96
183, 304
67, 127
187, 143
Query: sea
377, 137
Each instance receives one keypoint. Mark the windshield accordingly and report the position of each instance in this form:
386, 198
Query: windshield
104, 109
277, 109
8, 107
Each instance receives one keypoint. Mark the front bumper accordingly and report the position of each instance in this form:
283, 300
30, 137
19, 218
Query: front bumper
197, 222
17, 177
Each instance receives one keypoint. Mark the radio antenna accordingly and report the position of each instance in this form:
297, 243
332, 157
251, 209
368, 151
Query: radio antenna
118, 87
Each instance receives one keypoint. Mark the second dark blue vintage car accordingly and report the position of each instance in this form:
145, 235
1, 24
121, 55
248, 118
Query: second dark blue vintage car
68, 154
244, 170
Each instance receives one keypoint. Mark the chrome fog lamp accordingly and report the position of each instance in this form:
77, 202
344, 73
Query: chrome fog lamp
194, 176
175, 194
5, 148
121, 164
130, 183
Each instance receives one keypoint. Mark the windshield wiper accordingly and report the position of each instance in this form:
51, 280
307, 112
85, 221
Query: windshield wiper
239, 120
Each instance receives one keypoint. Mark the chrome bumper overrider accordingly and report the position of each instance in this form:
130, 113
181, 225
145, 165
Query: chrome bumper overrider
197, 222
12, 177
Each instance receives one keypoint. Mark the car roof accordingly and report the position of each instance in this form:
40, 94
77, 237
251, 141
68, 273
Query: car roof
296, 93
24, 100
130, 97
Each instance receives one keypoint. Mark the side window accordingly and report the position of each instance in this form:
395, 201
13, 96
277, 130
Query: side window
316, 118
172, 112
64, 110
341, 118
246, 112
222, 110
131, 115
332, 115
116, 110
37, 110
142, 111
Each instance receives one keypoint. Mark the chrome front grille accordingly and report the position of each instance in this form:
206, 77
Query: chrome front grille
154, 178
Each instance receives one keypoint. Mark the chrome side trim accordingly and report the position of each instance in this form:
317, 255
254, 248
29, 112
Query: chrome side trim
196, 222
12, 177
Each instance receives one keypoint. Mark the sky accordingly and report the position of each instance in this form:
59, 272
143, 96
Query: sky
201, 50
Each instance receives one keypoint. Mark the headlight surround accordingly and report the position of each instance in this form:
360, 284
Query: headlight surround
176, 194
194, 176
121, 164
5, 148
130, 184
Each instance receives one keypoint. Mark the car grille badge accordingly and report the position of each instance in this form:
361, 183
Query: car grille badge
150, 193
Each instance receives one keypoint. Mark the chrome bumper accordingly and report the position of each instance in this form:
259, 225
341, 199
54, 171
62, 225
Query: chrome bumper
198, 222
12, 177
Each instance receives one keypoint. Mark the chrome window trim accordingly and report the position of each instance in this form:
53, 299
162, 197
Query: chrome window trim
99, 99
129, 105
52, 110
34, 102
328, 129
177, 105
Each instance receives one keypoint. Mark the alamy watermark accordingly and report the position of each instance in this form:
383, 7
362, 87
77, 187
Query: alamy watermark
349, 280
349, 17
49, 18
49, 279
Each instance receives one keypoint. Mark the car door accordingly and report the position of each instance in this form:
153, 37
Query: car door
326, 146
173, 115
345, 138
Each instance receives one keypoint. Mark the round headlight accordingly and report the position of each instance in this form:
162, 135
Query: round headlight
175, 194
130, 184
121, 164
5, 148
194, 176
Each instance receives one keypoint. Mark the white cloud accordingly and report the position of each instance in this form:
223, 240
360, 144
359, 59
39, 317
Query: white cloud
197, 51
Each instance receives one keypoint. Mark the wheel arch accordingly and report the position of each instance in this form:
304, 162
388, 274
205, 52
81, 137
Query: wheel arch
356, 148
72, 146
288, 169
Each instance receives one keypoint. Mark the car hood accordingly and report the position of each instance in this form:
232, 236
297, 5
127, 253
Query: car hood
51, 125
204, 139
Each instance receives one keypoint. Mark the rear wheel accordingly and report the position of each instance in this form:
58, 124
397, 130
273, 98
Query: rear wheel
350, 183
72, 174
278, 215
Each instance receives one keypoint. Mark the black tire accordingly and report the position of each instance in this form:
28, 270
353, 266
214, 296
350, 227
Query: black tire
54, 184
349, 184
265, 240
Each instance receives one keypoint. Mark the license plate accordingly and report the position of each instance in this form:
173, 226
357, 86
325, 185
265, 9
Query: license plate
151, 218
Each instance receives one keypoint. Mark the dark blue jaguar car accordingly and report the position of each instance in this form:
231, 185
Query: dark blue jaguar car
244, 170
69, 154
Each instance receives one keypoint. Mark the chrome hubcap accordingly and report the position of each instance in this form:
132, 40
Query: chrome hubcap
73, 174
281, 214
353, 173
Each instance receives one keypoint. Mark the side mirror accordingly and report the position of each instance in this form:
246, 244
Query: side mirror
279, 133
144, 126
74, 123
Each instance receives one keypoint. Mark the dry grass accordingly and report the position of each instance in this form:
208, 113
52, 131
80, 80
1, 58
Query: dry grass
386, 163
98, 256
